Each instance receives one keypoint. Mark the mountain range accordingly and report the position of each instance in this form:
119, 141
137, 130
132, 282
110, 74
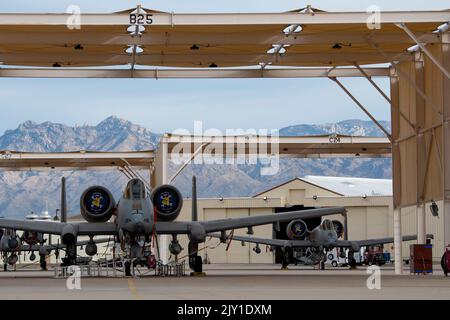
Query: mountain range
23, 192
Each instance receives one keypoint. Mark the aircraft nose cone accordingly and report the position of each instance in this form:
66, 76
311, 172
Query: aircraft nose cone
139, 228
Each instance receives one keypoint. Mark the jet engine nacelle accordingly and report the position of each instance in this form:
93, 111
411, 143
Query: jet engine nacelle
68, 235
167, 202
97, 204
338, 227
296, 229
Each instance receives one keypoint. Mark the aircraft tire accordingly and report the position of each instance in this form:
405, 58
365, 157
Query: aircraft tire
444, 267
352, 263
198, 264
5, 267
127, 268
285, 260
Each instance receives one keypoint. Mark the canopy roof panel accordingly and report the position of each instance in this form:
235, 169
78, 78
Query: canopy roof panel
210, 40
321, 146
76, 160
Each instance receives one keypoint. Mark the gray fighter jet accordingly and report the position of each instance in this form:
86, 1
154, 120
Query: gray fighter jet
12, 245
139, 216
309, 247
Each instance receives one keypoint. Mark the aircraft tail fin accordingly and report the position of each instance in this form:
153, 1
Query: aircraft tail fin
194, 199
63, 200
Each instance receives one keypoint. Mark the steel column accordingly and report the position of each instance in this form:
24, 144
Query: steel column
446, 137
398, 257
164, 239
396, 171
420, 147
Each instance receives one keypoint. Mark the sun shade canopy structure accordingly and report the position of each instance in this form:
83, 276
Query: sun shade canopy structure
319, 146
301, 38
143, 43
76, 160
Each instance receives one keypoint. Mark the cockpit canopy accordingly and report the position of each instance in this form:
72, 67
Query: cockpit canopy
327, 225
135, 190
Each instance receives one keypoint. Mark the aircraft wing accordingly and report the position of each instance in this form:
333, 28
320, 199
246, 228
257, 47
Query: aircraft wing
28, 225
57, 227
36, 247
90, 228
180, 227
373, 242
237, 223
269, 242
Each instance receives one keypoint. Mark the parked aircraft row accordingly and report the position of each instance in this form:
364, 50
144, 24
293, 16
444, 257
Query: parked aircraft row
310, 247
139, 216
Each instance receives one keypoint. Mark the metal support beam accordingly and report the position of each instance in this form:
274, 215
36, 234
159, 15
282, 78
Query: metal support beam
164, 239
421, 226
396, 171
446, 139
186, 73
440, 66
420, 147
362, 108
369, 78
156, 38
364, 73
398, 257
224, 19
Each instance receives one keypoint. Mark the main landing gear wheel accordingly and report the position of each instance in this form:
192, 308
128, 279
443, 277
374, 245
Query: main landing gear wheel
444, 266
195, 261
352, 263
285, 261
127, 266
42, 262
5, 267
198, 265
322, 265
351, 260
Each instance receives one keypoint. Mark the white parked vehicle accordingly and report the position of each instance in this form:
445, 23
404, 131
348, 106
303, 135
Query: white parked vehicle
336, 259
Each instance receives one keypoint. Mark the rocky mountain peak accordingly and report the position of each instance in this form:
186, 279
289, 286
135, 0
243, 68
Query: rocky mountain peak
114, 122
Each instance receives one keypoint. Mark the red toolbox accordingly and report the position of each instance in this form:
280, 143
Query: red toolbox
421, 258
445, 261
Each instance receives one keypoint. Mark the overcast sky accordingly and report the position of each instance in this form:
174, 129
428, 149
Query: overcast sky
164, 105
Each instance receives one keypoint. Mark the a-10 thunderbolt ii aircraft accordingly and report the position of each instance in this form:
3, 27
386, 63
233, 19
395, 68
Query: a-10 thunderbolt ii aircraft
139, 216
310, 247
11, 245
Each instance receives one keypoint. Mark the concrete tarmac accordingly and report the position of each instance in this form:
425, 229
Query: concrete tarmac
232, 282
